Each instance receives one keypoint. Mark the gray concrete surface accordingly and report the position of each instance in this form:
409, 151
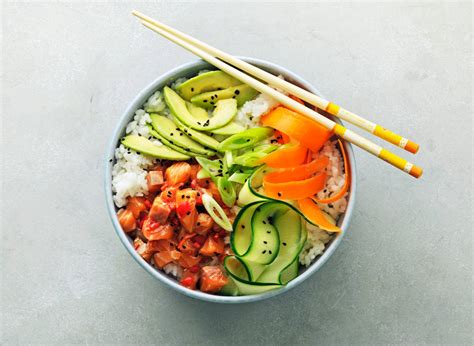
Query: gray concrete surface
402, 275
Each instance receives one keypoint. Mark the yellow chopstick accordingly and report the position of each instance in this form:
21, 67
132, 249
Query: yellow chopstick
303, 94
340, 130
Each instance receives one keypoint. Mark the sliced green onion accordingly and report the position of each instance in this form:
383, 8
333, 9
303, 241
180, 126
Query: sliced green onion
245, 139
213, 208
211, 167
228, 157
227, 191
203, 174
239, 178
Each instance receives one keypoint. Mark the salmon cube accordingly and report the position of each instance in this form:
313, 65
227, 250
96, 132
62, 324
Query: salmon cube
212, 279
154, 181
159, 211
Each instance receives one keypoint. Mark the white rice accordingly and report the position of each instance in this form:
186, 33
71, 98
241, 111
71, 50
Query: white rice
315, 244
251, 111
174, 270
129, 171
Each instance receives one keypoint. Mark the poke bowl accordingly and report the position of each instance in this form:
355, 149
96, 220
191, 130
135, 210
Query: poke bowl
222, 193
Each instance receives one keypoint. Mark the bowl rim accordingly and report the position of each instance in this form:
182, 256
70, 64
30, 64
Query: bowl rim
127, 115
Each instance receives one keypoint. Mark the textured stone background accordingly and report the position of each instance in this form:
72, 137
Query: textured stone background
403, 274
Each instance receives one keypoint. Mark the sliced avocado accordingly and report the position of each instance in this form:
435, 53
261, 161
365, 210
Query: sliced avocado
171, 144
242, 93
199, 137
229, 129
167, 129
223, 113
145, 146
213, 80
198, 113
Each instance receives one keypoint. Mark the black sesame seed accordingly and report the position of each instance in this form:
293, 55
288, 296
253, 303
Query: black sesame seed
264, 222
171, 134
188, 197
182, 196
233, 97
180, 133
177, 129
264, 251
219, 170
237, 91
265, 242
243, 226
188, 213
190, 135
269, 232
284, 244
110, 160
212, 102
171, 142
192, 89
212, 97
187, 149
198, 224
204, 101
198, 123
220, 161
270, 252
215, 95
251, 117
248, 140
279, 194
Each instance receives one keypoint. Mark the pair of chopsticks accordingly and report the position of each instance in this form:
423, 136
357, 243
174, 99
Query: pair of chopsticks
226, 63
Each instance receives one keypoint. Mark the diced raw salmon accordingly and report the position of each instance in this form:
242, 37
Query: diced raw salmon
212, 246
203, 223
154, 231
188, 261
126, 220
154, 181
162, 258
168, 195
189, 279
178, 173
159, 211
212, 279
136, 205
142, 249
186, 208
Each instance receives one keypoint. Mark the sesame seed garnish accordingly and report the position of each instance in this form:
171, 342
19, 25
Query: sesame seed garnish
192, 89
279, 194
264, 251
284, 244
270, 252
265, 242
188, 213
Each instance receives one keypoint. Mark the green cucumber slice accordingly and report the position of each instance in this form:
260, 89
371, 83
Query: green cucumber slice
239, 178
241, 237
216, 212
246, 138
237, 272
290, 272
167, 129
265, 242
223, 113
199, 137
290, 229
145, 146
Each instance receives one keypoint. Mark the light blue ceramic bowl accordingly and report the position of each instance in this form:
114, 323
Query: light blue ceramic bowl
187, 70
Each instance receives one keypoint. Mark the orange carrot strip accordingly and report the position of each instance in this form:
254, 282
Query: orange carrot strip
347, 183
311, 210
297, 173
295, 190
287, 156
308, 132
